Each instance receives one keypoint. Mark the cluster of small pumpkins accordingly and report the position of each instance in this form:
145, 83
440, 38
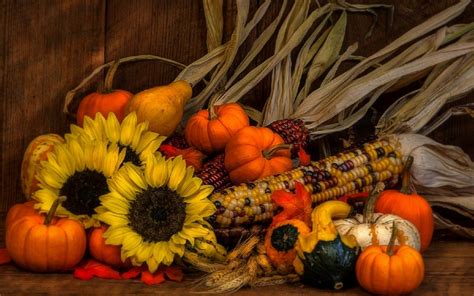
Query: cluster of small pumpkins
381, 248
45, 243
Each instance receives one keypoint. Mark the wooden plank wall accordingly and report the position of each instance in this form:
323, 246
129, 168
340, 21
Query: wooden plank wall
49, 46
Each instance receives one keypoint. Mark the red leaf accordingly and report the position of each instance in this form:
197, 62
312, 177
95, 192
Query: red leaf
174, 273
192, 156
305, 158
169, 150
93, 268
4, 257
295, 206
133, 272
153, 279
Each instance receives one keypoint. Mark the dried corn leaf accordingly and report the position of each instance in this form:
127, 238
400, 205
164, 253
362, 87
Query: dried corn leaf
258, 45
466, 109
280, 94
244, 85
307, 52
328, 53
454, 81
214, 22
360, 89
320, 99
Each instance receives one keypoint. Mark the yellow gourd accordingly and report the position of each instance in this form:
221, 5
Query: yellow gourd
161, 106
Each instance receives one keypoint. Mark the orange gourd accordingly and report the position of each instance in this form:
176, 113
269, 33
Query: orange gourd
409, 206
19, 211
114, 101
390, 270
36, 152
101, 251
280, 243
211, 131
254, 153
44, 243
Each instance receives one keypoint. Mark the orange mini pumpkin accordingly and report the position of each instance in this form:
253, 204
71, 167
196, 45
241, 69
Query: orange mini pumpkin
101, 251
254, 153
114, 101
211, 131
390, 270
409, 206
36, 152
46, 244
280, 243
19, 211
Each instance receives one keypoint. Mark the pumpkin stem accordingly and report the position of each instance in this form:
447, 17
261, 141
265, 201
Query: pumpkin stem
406, 176
109, 78
212, 112
53, 209
391, 243
370, 205
269, 153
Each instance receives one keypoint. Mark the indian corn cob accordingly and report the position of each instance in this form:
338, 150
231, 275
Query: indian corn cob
214, 173
352, 171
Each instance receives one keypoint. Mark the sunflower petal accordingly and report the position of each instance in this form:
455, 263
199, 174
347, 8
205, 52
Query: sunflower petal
128, 129
178, 172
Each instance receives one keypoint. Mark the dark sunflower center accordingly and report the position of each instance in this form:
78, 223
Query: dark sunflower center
82, 191
130, 155
157, 213
284, 237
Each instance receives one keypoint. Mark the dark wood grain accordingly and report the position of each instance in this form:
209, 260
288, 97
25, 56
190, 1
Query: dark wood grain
171, 29
49, 46
449, 270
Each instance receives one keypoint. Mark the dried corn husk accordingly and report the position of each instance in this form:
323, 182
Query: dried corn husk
214, 22
346, 89
466, 109
444, 175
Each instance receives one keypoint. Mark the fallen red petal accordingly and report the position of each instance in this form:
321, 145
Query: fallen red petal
174, 273
133, 272
153, 279
4, 257
92, 268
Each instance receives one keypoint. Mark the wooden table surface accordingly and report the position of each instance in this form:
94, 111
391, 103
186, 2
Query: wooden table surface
449, 271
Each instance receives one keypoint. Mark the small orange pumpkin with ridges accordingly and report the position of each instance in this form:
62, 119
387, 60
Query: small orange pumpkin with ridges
254, 153
210, 130
19, 211
45, 243
280, 243
36, 152
101, 251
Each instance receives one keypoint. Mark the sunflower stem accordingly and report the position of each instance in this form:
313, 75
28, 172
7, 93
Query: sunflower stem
392, 239
370, 205
406, 176
52, 210
269, 152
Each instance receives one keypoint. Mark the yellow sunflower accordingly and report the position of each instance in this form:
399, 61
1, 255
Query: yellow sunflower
155, 211
78, 170
133, 137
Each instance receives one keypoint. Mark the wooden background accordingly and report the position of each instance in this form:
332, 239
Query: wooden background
49, 46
